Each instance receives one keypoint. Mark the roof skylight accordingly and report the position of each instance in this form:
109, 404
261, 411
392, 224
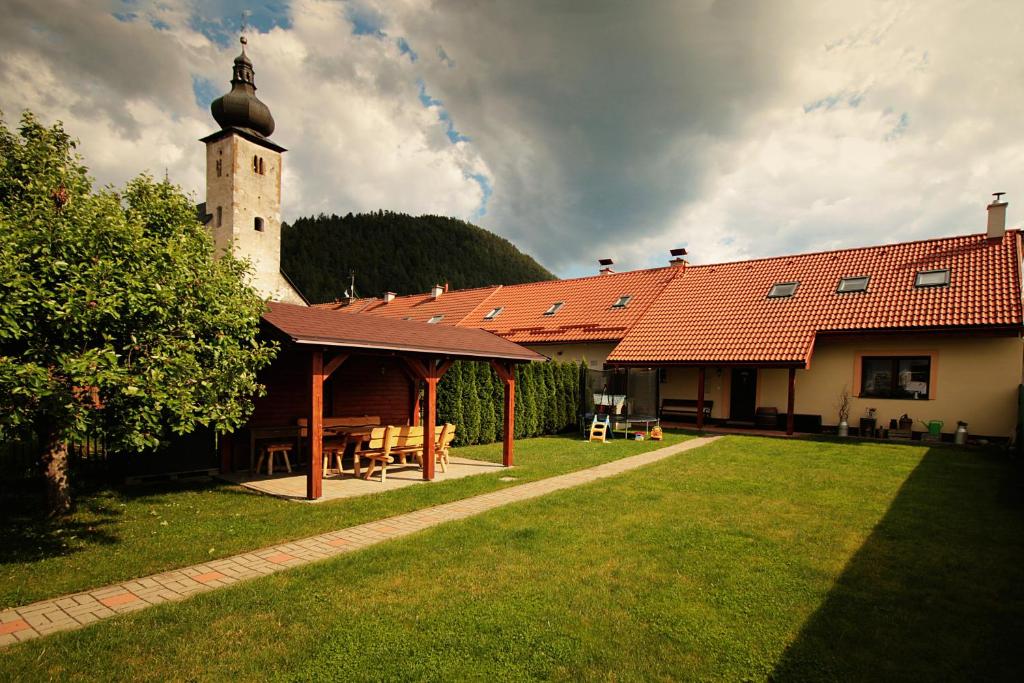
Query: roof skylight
555, 307
623, 301
781, 290
853, 284
932, 278
436, 319
494, 313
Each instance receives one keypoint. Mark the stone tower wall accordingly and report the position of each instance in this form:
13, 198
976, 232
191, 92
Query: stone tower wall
237, 194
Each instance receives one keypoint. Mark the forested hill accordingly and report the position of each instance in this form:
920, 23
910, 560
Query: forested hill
398, 253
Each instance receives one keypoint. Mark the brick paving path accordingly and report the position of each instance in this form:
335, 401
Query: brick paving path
79, 609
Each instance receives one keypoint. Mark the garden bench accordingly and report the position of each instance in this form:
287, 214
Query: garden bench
684, 408
376, 449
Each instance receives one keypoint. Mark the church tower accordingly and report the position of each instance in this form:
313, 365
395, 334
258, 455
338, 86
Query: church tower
243, 183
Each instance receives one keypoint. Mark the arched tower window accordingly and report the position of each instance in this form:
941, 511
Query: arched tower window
220, 215
261, 166
258, 224
219, 167
255, 164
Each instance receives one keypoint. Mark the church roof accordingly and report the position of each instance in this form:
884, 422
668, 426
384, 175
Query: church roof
240, 108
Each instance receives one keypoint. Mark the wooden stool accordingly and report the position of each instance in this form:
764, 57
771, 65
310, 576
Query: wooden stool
335, 447
269, 451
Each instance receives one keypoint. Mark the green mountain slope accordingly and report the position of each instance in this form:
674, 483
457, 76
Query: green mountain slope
398, 253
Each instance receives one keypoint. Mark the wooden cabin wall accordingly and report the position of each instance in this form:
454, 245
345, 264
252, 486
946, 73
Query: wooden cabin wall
368, 385
287, 383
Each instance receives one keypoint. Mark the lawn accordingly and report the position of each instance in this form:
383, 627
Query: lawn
127, 532
748, 559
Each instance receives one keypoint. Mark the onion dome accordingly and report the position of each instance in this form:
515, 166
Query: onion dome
240, 108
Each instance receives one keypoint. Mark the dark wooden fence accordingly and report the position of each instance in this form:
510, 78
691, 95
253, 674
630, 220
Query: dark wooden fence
90, 457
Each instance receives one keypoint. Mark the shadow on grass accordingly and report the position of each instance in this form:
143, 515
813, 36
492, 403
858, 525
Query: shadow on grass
935, 592
30, 535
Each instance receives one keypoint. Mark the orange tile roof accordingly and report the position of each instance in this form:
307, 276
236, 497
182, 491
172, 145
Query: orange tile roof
721, 313
587, 313
454, 305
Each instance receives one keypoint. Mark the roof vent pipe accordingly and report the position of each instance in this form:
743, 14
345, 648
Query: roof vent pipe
389, 297
436, 292
606, 266
997, 217
677, 257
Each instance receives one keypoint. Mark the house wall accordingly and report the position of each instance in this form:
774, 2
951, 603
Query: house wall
593, 354
681, 382
974, 379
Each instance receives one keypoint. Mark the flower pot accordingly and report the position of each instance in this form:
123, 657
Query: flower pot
844, 428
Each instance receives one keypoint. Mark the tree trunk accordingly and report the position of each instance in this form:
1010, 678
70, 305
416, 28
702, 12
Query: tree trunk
55, 470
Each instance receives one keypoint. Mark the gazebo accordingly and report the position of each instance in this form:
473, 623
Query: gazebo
368, 364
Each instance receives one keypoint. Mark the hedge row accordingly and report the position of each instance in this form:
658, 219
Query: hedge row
471, 396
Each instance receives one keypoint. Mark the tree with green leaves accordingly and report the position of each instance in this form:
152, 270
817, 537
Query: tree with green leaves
116, 320
470, 405
485, 392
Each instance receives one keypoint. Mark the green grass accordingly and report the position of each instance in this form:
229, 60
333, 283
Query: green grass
747, 559
128, 532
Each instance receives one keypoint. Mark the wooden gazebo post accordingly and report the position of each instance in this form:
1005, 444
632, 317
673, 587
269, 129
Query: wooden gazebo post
314, 477
506, 371
430, 371
700, 398
318, 373
791, 401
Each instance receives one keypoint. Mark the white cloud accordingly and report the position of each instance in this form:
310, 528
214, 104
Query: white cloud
605, 128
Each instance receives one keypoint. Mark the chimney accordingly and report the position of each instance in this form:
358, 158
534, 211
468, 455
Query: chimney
389, 297
677, 259
997, 217
606, 266
446, 287
436, 292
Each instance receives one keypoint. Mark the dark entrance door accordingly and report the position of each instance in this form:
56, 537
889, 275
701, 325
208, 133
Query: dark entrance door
743, 394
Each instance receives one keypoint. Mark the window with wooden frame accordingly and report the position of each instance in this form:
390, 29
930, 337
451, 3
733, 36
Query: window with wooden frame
932, 278
622, 301
904, 377
554, 308
783, 290
853, 284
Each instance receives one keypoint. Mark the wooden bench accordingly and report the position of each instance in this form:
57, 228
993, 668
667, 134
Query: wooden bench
376, 449
444, 435
684, 408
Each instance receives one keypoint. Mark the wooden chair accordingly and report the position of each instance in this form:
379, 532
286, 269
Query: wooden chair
445, 436
268, 452
377, 451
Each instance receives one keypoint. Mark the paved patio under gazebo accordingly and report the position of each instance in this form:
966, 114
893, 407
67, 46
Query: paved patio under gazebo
335, 487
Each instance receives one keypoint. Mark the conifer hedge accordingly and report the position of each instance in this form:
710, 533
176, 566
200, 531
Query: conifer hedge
470, 395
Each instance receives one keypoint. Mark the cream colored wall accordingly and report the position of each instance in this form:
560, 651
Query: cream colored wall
975, 379
242, 195
681, 382
593, 354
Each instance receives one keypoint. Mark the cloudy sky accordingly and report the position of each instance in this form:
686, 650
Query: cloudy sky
577, 130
